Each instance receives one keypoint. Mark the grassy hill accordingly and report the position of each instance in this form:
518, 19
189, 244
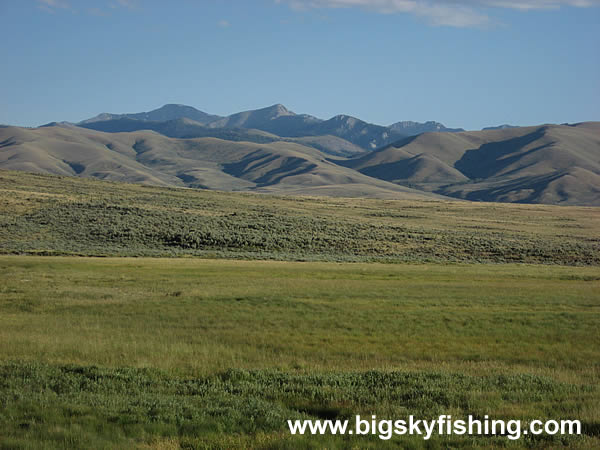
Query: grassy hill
557, 164
551, 164
67, 215
180, 128
151, 158
189, 129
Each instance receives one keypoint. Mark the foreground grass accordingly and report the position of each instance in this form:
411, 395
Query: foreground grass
221, 353
42, 214
84, 407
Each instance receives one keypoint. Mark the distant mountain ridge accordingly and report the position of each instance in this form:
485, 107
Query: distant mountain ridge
279, 120
252, 118
409, 128
275, 119
500, 127
164, 113
275, 150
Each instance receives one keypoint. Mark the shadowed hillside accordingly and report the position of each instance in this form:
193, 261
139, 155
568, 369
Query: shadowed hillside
180, 128
557, 164
208, 163
188, 129
547, 164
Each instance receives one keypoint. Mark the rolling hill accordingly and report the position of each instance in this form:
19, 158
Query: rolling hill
180, 128
557, 164
258, 151
188, 129
207, 163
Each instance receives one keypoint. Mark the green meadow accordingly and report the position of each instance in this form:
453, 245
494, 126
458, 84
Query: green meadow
141, 317
115, 352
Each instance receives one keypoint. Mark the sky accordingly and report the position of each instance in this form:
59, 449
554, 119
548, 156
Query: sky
465, 63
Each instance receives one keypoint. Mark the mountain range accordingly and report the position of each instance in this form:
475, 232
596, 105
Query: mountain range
275, 119
274, 150
167, 112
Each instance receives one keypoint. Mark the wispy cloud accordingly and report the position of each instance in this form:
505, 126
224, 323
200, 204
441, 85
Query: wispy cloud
223, 23
455, 13
129, 4
99, 8
53, 5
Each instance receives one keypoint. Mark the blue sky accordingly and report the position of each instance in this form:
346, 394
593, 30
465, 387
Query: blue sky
465, 63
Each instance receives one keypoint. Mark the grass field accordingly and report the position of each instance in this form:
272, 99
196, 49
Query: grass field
119, 352
301, 308
41, 214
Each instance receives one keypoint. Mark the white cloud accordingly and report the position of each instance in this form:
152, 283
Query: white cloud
52, 5
456, 13
223, 23
126, 4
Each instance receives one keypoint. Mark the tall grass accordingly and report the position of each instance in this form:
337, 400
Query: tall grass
121, 352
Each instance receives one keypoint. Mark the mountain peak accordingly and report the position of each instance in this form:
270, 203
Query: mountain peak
175, 106
411, 128
278, 110
500, 127
346, 119
170, 111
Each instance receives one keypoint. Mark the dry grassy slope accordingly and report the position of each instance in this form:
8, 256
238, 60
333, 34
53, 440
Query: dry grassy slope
421, 168
75, 151
187, 129
179, 128
332, 145
148, 157
545, 164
